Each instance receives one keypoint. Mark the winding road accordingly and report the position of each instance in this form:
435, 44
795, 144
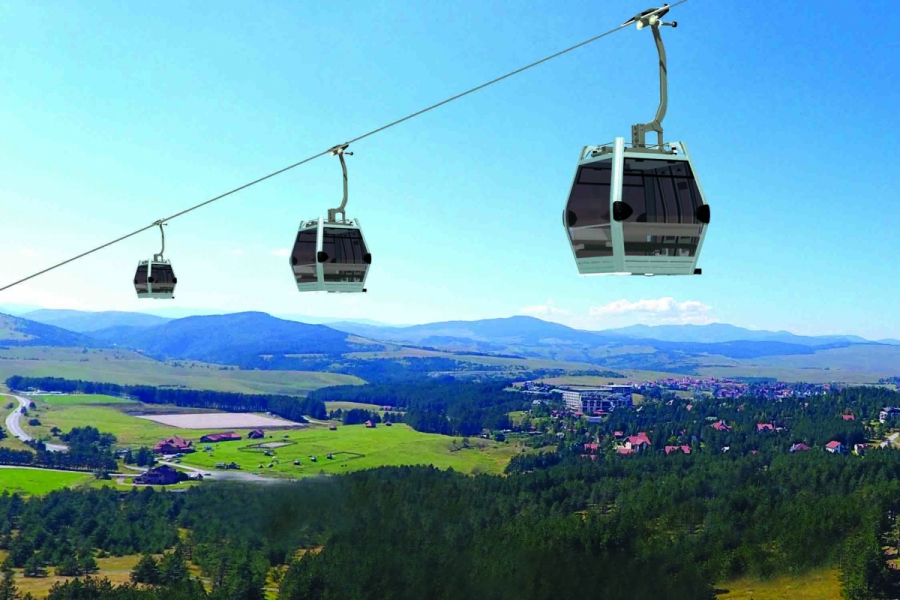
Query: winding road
14, 425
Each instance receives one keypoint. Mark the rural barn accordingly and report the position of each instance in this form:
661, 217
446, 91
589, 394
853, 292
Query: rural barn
227, 436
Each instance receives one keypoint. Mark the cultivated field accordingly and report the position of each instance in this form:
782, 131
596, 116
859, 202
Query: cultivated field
69, 399
220, 421
37, 481
816, 585
131, 368
354, 447
122, 420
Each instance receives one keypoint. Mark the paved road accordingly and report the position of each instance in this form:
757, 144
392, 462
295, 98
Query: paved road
229, 475
14, 426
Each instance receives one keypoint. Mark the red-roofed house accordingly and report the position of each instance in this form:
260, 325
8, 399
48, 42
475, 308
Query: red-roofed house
848, 417
801, 447
721, 426
624, 451
618, 434
256, 434
637, 442
835, 447
690, 407
685, 449
173, 445
765, 427
227, 436
591, 448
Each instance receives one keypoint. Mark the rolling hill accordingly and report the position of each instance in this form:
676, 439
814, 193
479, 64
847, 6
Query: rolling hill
16, 331
85, 321
228, 339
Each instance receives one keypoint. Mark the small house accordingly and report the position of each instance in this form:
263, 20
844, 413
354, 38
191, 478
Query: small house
835, 447
684, 449
256, 434
721, 426
370, 425
848, 417
173, 445
765, 427
332, 428
228, 436
162, 475
801, 447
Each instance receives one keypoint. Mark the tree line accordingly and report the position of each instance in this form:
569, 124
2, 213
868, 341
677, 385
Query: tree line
438, 405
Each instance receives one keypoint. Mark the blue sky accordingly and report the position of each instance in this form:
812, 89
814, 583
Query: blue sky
115, 114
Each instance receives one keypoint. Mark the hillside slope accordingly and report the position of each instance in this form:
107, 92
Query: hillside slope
228, 339
85, 321
16, 331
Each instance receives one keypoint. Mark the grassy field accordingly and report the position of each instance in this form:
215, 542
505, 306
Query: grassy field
131, 368
815, 585
354, 448
35, 482
108, 417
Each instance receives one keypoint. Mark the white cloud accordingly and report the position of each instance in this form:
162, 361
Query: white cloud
655, 311
547, 309
282, 252
237, 251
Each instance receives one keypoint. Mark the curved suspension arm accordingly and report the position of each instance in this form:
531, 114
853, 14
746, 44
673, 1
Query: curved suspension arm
339, 151
163, 234
652, 19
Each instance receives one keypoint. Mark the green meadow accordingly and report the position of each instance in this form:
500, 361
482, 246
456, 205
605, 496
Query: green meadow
355, 447
36, 481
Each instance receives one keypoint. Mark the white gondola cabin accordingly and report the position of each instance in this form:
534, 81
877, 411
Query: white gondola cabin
155, 278
638, 209
635, 212
330, 255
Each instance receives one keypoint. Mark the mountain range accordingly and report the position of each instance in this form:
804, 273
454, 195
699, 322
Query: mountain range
242, 338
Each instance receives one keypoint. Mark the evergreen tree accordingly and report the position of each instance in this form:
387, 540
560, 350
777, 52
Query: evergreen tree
173, 568
34, 567
8, 589
146, 571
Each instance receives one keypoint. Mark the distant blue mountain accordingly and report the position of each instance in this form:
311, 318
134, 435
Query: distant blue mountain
16, 331
228, 339
84, 321
722, 332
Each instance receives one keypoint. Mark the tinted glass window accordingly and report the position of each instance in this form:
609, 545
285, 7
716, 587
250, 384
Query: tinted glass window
305, 247
664, 196
343, 246
587, 211
140, 278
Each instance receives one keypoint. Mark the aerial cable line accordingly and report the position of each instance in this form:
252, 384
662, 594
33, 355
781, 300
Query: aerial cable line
324, 152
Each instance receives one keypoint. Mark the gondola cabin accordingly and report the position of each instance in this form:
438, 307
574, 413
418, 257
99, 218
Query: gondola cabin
155, 279
636, 211
330, 257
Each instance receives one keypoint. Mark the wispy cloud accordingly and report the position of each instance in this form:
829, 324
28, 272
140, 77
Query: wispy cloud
282, 252
237, 251
655, 311
621, 313
547, 309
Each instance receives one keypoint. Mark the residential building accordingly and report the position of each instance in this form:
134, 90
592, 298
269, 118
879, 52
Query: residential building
721, 426
162, 475
888, 414
835, 447
685, 449
765, 427
256, 434
801, 447
590, 400
173, 445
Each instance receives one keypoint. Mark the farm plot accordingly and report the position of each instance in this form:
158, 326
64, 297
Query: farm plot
220, 421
